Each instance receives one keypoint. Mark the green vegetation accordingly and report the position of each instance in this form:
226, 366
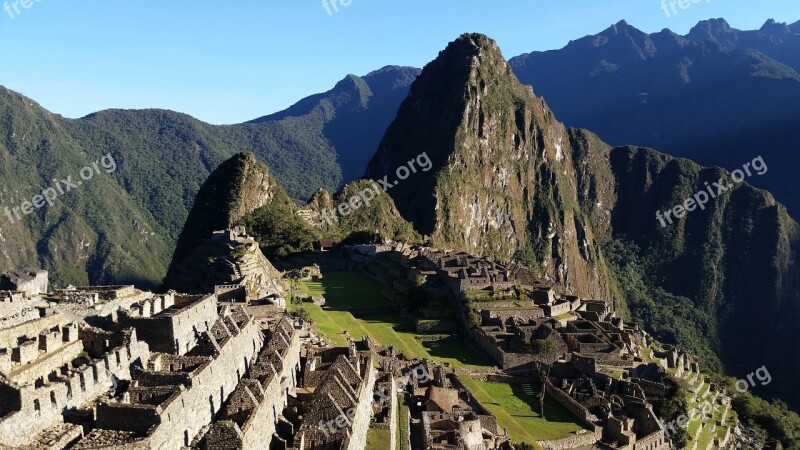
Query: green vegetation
294, 277
672, 407
279, 231
93, 233
377, 438
380, 217
122, 227
344, 291
544, 353
774, 419
671, 319
403, 417
515, 406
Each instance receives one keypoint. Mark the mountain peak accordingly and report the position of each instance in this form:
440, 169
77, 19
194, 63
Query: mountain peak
773, 27
715, 25
469, 45
621, 25
498, 161
236, 188
621, 28
717, 31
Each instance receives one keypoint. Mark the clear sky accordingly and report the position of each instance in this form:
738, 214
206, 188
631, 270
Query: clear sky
231, 61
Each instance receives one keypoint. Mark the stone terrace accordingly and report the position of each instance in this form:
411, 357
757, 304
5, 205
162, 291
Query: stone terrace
170, 401
251, 414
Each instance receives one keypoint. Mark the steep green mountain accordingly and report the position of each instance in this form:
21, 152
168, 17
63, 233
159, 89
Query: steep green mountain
510, 181
718, 95
375, 214
93, 231
721, 281
503, 182
236, 188
162, 159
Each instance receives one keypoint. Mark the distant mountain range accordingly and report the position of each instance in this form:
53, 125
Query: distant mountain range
124, 227
718, 95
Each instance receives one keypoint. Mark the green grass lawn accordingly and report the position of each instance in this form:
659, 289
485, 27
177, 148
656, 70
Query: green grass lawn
346, 290
377, 439
515, 407
403, 417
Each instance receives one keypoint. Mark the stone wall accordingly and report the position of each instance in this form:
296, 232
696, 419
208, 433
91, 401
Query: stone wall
108, 293
86, 298
394, 412
29, 373
505, 360
175, 329
9, 337
571, 405
586, 439
363, 415
651, 388
183, 418
43, 406
175, 422
504, 314
260, 427
16, 308
654, 441
29, 281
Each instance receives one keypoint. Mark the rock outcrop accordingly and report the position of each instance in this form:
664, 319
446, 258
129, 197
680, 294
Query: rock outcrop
236, 188
228, 257
503, 182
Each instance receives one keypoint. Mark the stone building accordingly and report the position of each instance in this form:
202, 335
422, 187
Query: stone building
100, 301
171, 323
29, 281
17, 308
335, 408
250, 416
174, 396
451, 417
54, 372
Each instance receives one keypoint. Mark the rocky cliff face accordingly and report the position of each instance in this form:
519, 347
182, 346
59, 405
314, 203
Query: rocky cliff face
503, 181
236, 188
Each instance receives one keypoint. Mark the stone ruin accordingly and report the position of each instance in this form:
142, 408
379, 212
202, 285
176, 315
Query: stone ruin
228, 257
28, 281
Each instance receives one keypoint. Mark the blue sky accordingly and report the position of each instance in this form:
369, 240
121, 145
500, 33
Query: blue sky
231, 61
